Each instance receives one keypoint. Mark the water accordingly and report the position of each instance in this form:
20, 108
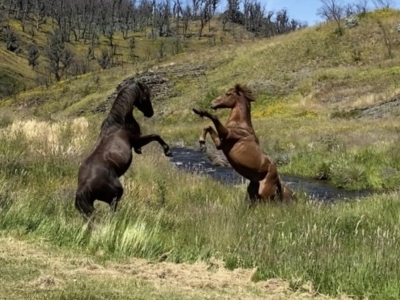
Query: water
195, 161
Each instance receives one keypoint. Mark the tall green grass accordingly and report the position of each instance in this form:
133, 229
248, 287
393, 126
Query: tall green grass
348, 247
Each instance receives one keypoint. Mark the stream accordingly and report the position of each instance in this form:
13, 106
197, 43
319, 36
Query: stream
195, 161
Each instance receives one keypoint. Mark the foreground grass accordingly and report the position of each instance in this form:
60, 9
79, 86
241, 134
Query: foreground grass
43, 271
346, 248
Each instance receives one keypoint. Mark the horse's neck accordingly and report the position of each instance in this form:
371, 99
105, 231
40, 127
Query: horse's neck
240, 116
120, 112
112, 123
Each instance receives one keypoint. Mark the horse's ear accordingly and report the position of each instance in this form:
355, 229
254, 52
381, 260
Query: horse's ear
140, 85
244, 91
144, 87
238, 89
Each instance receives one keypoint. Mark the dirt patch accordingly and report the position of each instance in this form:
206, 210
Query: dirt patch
160, 80
195, 279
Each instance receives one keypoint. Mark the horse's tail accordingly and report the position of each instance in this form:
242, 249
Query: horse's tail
83, 202
273, 170
280, 189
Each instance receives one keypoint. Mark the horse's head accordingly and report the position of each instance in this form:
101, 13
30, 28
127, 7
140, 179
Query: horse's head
144, 103
231, 97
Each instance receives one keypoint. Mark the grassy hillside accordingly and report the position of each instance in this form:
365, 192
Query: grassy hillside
322, 110
17, 74
311, 87
310, 71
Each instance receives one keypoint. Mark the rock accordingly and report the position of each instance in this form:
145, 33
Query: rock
380, 110
351, 21
158, 80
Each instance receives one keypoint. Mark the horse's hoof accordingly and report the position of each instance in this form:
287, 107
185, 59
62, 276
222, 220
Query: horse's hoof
138, 151
202, 145
168, 153
198, 112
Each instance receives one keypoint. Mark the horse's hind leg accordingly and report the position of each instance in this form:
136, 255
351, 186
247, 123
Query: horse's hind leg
288, 195
252, 192
268, 190
117, 195
271, 186
84, 202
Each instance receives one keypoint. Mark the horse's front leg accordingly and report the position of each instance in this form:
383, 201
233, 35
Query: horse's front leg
221, 129
214, 137
143, 140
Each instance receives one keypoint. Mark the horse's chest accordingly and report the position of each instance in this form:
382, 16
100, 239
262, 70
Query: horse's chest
134, 129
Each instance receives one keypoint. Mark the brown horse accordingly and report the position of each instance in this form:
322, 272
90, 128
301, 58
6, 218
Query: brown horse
239, 143
98, 177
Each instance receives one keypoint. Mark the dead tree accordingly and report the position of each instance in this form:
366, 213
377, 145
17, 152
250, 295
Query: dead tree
332, 10
385, 4
361, 7
59, 56
11, 39
204, 15
104, 59
186, 17
33, 56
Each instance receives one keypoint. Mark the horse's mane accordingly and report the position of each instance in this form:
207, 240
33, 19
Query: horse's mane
245, 91
248, 95
123, 104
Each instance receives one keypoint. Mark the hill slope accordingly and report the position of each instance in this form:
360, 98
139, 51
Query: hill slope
313, 67
311, 85
17, 75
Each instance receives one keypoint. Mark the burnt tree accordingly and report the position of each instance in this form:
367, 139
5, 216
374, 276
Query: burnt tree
33, 56
332, 10
59, 56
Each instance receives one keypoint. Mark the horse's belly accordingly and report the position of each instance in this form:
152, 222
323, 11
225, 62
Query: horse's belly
119, 157
123, 164
246, 162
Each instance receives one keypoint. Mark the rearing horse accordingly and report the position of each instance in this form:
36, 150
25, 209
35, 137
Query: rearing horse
98, 176
239, 143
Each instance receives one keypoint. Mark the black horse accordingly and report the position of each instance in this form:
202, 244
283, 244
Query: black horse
98, 177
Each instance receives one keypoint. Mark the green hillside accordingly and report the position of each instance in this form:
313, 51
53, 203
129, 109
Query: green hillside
316, 92
327, 107
17, 75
